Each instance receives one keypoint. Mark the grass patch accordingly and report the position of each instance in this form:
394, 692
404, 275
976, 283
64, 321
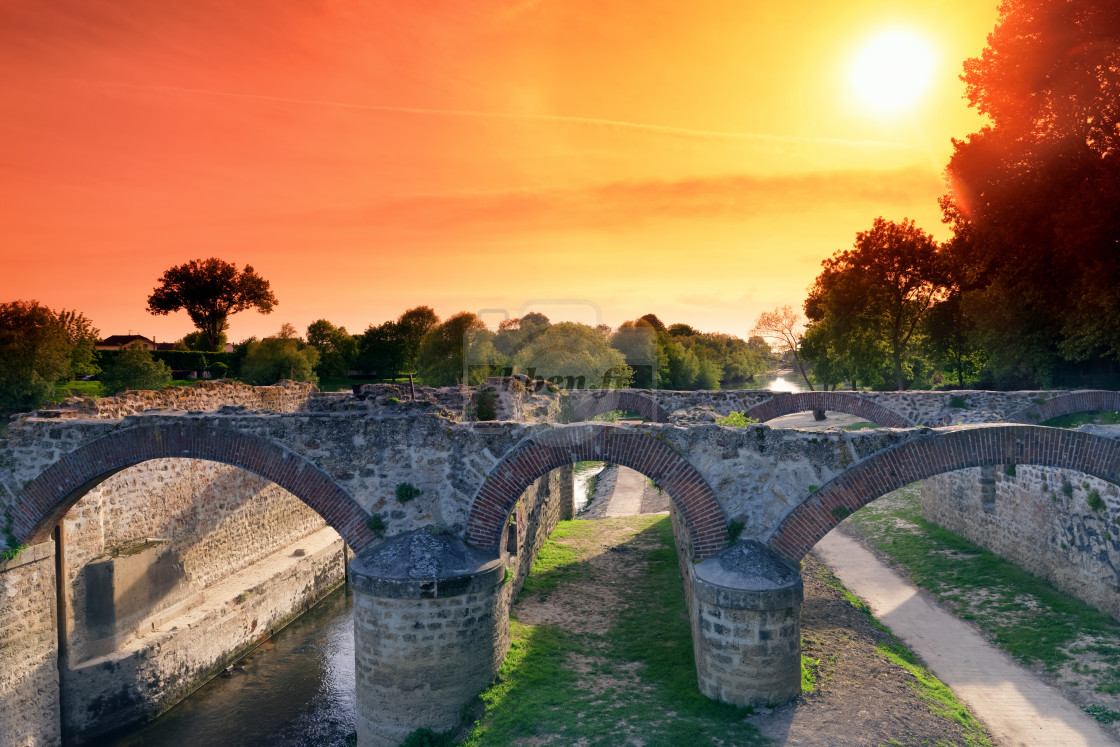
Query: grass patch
80, 389
644, 665
809, 671
736, 419
1025, 615
1074, 419
860, 426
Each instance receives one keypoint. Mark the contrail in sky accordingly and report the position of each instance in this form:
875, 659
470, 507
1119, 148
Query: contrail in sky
553, 118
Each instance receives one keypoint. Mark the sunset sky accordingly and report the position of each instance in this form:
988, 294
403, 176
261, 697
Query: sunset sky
694, 159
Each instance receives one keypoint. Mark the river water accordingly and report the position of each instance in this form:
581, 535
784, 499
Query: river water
296, 689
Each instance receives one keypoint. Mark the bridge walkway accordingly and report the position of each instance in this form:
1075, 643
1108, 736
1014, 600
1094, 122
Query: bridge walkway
1016, 706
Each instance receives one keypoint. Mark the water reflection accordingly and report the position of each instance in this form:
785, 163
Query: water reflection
783, 381
297, 689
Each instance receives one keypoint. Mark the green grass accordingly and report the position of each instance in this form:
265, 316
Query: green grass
941, 700
1074, 419
83, 388
646, 659
860, 426
1025, 615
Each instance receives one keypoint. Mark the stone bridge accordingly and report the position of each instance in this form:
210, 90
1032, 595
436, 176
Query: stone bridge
444, 486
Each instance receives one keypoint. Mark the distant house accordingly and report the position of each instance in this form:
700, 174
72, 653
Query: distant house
119, 342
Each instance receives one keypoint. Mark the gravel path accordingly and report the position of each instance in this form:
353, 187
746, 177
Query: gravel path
1013, 703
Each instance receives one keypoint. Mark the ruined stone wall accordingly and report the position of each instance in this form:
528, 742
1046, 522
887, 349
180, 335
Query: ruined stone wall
1058, 524
202, 396
215, 520
28, 650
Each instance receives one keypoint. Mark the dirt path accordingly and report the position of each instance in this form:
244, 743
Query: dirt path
1019, 708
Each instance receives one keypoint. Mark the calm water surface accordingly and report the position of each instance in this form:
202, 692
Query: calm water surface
297, 689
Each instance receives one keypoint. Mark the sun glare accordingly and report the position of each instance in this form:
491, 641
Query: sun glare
892, 72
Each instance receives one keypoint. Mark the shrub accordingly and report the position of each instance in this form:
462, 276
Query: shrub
736, 420
276, 358
406, 491
134, 368
1095, 501
219, 370
958, 403
376, 524
1067, 489
734, 529
841, 512
485, 400
1009, 470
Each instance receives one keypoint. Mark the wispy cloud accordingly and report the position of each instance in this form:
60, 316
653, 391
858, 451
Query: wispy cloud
630, 203
617, 125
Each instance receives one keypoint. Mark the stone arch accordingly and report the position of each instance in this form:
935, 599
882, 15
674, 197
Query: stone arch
1066, 404
926, 456
533, 457
608, 400
50, 495
852, 404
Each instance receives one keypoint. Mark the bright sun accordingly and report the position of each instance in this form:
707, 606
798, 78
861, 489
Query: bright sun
893, 71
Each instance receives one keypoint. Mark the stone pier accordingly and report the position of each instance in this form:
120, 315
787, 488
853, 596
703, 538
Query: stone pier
745, 605
430, 631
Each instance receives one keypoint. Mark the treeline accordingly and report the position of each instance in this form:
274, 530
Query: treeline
640, 353
1026, 293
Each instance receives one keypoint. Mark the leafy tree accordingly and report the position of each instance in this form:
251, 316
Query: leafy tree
786, 328
682, 330
1035, 196
412, 326
284, 356
381, 350
638, 343
881, 290
459, 348
35, 352
514, 334
209, 291
338, 349
83, 338
573, 356
135, 368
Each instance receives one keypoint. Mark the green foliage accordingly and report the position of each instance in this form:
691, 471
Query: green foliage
868, 305
37, 350
484, 400
1095, 501
406, 491
841, 512
135, 368
734, 530
276, 358
428, 738
197, 341
459, 348
219, 370
1067, 489
1075, 419
83, 338
338, 349
809, 671
376, 524
1101, 713
1009, 470
209, 291
958, 402
11, 552
736, 419
573, 356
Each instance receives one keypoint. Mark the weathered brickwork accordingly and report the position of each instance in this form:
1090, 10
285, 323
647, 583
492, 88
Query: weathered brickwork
1058, 524
29, 650
935, 452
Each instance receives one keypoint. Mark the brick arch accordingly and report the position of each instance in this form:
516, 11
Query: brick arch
608, 400
534, 457
926, 456
852, 404
49, 496
1066, 404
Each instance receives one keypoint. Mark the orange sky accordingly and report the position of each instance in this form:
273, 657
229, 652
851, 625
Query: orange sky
695, 159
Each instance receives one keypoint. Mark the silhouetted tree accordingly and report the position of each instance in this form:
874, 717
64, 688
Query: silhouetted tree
785, 327
209, 291
35, 353
337, 348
